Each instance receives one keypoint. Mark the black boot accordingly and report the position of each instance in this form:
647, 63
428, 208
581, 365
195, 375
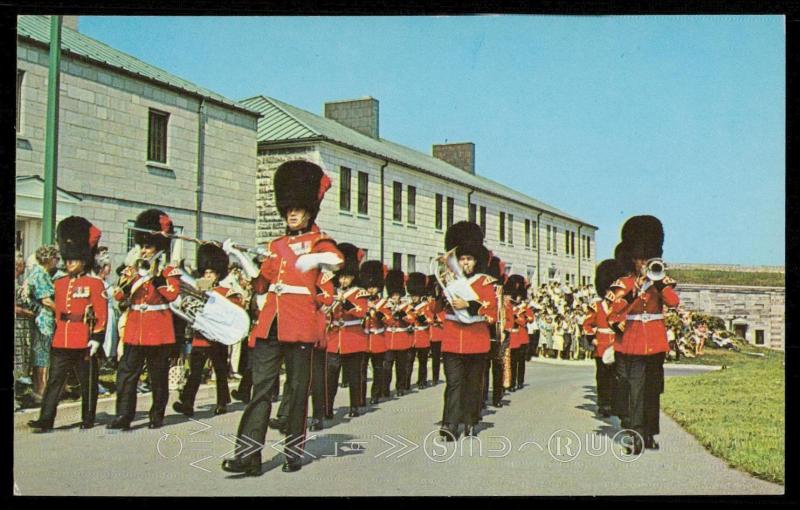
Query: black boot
637, 447
87, 424
241, 395
290, 466
374, 400
40, 426
180, 407
650, 443
354, 412
280, 423
316, 425
469, 431
119, 424
250, 465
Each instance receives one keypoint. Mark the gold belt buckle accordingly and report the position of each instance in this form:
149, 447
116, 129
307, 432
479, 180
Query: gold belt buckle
278, 289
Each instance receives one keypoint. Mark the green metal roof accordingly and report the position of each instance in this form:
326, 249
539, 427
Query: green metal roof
283, 122
37, 28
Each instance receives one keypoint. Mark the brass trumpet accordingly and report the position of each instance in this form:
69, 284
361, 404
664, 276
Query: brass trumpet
655, 269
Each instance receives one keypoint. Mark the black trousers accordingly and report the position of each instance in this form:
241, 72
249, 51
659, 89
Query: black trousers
606, 378
516, 355
130, 369
351, 366
464, 388
533, 344
436, 360
378, 360
218, 354
246, 382
642, 381
62, 361
266, 362
318, 382
494, 371
398, 359
422, 354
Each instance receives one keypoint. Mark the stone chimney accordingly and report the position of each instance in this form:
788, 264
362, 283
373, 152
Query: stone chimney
70, 22
359, 114
461, 155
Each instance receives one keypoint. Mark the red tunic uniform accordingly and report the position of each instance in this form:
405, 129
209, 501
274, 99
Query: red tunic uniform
199, 340
645, 332
376, 341
596, 323
347, 334
398, 336
294, 297
460, 338
73, 296
422, 332
149, 317
519, 331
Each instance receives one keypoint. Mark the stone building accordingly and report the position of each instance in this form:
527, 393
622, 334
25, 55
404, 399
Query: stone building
756, 314
396, 202
131, 136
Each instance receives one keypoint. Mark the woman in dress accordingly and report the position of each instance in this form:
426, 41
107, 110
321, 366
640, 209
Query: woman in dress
41, 291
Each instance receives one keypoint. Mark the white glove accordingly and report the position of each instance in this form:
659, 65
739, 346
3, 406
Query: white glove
94, 345
248, 266
312, 260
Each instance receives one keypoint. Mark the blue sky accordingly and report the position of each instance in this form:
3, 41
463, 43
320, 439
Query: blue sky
682, 117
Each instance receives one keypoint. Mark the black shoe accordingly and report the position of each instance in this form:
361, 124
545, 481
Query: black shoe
497, 403
278, 423
449, 433
637, 447
469, 431
220, 410
353, 413
374, 400
292, 466
328, 416
119, 424
650, 443
86, 425
316, 426
241, 396
180, 407
400, 393
40, 426
155, 424
251, 466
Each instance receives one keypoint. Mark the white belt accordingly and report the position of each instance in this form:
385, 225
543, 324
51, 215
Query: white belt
355, 322
376, 331
420, 328
645, 317
452, 317
398, 330
282, 288
606, 330
149, 308
515, 330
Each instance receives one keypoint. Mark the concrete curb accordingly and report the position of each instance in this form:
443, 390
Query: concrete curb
554, 361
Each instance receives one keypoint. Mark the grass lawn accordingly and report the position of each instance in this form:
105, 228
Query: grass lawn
736, 413
716, 277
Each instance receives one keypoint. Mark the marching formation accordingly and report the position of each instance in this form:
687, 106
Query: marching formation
321, 310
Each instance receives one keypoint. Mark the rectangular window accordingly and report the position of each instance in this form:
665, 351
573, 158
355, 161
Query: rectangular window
20, 76
439, 200
344, 188
555, 240
759, 337
412, 205
473, 213
549, 229
588, 247
157, 136
527, 233
531, 274
397, 261
534, 234
502, 228
397, 201
510, 229
363, 193
411, 263
566, 242
451, 205
130, 242
483, 219
572, 244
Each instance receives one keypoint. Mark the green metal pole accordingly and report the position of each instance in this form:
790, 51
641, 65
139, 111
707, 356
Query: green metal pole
51, 133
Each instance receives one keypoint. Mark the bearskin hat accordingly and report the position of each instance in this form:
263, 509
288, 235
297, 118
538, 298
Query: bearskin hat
156, 220
606, 273
644, 236
300, 184
396, 282
211, 256
432, 286
77, 239
514, 286
496, 268
467, 238
416, 284
371, 274
352, 259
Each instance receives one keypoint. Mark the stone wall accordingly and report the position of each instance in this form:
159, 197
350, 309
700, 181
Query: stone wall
757, 308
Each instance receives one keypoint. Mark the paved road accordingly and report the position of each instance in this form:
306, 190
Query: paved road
547, 441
